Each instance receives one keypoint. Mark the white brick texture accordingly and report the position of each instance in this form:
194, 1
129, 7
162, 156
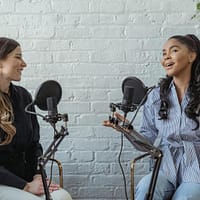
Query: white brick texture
89, 47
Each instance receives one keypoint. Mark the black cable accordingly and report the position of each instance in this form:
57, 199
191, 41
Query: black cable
120, 152
122, 170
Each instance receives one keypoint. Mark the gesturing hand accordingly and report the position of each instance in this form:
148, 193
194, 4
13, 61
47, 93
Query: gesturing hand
119, 119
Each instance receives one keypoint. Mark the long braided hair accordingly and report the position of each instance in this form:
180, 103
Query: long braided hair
7, 129
192, 109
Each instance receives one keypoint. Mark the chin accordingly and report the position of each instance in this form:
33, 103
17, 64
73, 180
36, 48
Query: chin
170, 75
17, 79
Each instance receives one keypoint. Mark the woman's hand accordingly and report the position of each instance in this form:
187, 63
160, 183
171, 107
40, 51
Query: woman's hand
36, 186
119, 119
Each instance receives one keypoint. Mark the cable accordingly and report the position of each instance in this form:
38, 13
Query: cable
120, 152
30, 112
42, 116
122, 170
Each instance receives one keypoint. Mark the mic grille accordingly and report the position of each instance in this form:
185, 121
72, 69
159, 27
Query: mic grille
128, 96
52, 106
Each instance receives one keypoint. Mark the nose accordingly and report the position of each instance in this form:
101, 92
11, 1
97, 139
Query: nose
23, 63
166, 56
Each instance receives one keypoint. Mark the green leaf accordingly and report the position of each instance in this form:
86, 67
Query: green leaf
198, 6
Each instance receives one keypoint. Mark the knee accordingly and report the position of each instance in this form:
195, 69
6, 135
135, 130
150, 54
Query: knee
187, 191
65, 195
61, 194
163, 190
183, 197
142, 187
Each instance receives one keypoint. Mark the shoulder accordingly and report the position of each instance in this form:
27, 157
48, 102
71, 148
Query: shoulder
153, 96
20, 91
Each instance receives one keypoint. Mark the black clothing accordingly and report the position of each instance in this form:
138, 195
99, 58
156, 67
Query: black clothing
18, 160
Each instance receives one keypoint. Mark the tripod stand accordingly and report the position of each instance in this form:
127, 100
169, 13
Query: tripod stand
141, 144
58, 137
47, 97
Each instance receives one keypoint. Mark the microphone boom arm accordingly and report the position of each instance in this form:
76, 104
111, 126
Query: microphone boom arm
134, 96
140, 143
58, 137
47, 97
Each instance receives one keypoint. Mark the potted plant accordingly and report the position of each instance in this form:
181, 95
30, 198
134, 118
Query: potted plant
197, 11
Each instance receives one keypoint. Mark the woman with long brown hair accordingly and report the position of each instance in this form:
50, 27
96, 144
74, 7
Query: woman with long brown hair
19, 133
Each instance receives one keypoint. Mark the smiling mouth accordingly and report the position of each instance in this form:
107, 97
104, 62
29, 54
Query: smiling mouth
19, 71
169, 65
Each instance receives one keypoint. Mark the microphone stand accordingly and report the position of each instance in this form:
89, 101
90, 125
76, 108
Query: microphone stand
141, 144
58, 137
151, 150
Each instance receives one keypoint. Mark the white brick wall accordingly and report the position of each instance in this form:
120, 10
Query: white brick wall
89, 46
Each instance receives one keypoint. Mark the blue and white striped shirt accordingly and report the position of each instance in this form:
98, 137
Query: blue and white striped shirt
179, 143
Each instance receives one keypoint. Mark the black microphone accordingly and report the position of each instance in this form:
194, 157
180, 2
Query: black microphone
47, 98
52, 106
127, 99
134, 94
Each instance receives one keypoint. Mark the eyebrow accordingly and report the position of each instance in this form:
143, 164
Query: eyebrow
172, 47
18, 54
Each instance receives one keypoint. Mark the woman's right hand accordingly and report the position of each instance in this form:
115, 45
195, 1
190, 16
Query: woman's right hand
117, 126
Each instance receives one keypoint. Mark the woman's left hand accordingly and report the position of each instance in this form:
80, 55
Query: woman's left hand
52, 187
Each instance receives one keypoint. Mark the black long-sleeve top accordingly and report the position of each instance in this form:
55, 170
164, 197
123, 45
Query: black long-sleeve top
18, 160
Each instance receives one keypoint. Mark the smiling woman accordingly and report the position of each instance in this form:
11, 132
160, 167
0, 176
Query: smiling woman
12, 65
170, 120
177, 61
171, 114
19, 133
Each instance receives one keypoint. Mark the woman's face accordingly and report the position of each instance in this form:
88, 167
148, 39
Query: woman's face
11, 67
177, 58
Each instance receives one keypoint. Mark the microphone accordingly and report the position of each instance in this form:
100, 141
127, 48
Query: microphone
47, 98
127, 99
52, 106
134, 94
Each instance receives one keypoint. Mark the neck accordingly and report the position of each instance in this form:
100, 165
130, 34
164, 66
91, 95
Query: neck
4, 86
181, 86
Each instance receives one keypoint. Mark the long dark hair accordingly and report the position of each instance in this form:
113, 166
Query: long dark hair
192, 109
7, 129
